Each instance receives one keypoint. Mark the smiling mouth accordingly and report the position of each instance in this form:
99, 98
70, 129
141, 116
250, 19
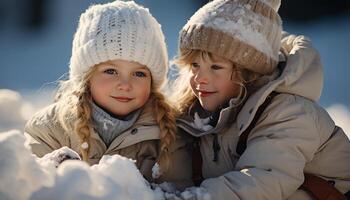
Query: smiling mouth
122, 99
205, 93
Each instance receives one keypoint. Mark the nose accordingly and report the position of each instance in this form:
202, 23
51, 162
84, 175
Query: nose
201, 77
124, 84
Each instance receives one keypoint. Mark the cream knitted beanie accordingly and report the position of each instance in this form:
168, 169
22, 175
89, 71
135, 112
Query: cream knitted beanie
119, 30
247, 32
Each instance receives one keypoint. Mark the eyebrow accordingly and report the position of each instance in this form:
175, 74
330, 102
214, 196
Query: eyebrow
220, 62
143, 67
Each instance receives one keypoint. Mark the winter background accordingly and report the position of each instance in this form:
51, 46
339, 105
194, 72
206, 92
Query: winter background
35, 47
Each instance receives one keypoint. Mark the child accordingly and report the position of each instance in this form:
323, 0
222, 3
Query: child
258, 126
111, 103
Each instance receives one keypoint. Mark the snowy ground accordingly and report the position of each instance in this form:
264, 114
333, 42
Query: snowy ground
115, 177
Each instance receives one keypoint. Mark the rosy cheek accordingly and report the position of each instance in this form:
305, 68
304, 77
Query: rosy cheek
145, 95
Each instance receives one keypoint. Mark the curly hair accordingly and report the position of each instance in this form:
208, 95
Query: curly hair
75, 100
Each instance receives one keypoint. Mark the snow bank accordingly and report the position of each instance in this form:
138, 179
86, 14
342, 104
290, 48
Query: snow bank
20, 174
115, 177
14, 111
24, 177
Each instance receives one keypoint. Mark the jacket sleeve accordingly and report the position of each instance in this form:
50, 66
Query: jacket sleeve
42, 135
146, 157
179, 170
180, 166
284, 139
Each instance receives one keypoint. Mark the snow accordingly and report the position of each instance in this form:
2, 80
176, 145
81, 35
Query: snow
166, 190
156, 171
197, 193
19, 170
115, 177
14, 111
201, 123
56, 157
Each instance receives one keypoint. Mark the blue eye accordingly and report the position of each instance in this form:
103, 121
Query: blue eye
140, 74
111, 71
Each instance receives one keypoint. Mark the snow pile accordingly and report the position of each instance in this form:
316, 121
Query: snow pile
341, 116
115, 177
197, 193
55, 158
166, 191
14, 111
20, 174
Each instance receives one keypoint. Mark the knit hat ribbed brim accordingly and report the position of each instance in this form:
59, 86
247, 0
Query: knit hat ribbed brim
119, 30
247, 32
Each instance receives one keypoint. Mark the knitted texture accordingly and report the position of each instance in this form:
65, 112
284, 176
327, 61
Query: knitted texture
119, 30
247, 32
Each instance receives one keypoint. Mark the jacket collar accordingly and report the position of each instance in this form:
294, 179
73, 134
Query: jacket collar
226, 117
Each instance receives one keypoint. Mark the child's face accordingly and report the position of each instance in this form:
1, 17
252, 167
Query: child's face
213, 81
121, 86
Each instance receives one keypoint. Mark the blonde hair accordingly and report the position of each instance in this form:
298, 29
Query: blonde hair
164, 115
75, 102
181, 93
74, 99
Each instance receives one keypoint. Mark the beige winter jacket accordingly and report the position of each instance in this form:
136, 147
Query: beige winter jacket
293, 135
140, 143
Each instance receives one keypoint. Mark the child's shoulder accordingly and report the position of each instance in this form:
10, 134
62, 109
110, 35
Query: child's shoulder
45, 114
44, 119
285, 104
298, 111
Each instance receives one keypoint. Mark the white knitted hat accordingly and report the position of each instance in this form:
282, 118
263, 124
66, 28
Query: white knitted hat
119, 30
247, 32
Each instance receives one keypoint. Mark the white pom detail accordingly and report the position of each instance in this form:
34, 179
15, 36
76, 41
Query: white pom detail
85, 145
